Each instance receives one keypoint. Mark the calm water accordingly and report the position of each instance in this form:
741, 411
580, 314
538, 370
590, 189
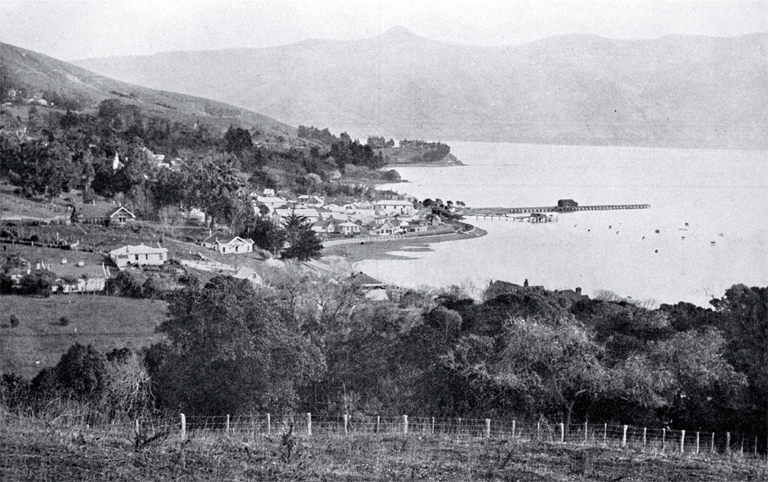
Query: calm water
721, 195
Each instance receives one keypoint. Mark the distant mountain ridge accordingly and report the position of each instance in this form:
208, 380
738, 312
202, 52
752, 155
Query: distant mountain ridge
677, 91
36, 76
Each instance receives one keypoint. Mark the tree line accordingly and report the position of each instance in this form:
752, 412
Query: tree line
313, 343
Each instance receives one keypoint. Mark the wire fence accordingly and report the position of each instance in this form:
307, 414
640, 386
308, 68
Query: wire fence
648, 440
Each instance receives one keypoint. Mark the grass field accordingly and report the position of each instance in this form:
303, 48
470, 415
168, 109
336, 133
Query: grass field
106, 322
34, 450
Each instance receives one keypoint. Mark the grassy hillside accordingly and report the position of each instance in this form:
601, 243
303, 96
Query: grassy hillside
106, 322
33, 75
574, 89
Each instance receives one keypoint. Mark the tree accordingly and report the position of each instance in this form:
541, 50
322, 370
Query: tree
303, 243
232, 350
552, 362
38, 283
744, 322
81, 372
265, 235
237, 140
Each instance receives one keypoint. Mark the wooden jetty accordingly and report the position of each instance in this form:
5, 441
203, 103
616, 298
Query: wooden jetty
563, 206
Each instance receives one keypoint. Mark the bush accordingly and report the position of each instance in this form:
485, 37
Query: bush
63, 321
14, 321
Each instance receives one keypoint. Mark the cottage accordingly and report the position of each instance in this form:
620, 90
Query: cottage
271, 202
249, 274
324, 227
80, 278
391, 207
140, 255
349, 228
102, 213
228, 244
385, 229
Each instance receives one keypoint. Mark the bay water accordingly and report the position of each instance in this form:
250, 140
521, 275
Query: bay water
706, 230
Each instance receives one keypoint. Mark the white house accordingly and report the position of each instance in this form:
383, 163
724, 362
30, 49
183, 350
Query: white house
228, 244
249, 274
311, 201
385, 229
391, 207
271, 202
103, 213
140, 255
324, 227
349, 228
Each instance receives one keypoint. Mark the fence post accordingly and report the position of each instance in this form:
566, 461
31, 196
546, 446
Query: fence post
645, 431
513, 428
624, 436
378, 423
605, 434
538, 431
712, 444
755, 446
405, 424
346, 424
697, 443
487, 428
183, 427
562, 432
227, 424
309, 424
458, 428
741, 452
663, 438
728, 442
433, 425
586, 433
682, 441
269, 424
137, 428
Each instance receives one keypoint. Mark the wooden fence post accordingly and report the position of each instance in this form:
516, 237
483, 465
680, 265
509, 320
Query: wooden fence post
605, 434
487, 428
682, 441
663, 438
697, 443
346, 424
712, 444
586, 433
378, 423
513, 428
137, 428
562, 432
269, 424
755, 446
227, 424
433, 425
458, 427
309, 424
183, 427
645, 432
624, 436
405, 424
538, 431
728, 442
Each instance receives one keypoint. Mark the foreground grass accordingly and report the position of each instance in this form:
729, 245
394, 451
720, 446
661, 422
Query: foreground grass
106, 322
31, 450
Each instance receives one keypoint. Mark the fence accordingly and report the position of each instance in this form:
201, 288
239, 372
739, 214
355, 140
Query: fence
651, 440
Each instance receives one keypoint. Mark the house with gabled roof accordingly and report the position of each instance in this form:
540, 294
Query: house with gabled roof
103, 213
140, 255
228, 244
349, 228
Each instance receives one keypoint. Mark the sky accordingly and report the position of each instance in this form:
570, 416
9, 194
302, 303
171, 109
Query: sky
76, 29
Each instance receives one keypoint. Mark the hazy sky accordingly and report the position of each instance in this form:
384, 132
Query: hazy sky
76, 29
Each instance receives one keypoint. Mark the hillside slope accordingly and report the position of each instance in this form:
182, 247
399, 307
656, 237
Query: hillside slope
33, 75
574, 89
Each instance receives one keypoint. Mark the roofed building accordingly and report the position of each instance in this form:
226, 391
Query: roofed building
227, 244
140, 255
103, 213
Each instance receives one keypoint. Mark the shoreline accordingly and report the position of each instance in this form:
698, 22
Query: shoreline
380, 250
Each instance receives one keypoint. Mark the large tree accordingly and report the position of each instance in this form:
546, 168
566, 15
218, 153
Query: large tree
233, 350
303, 243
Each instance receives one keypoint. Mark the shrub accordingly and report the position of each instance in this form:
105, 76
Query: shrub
63, 321
14, 321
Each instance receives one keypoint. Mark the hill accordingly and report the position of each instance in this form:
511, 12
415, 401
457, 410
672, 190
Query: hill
683, 91
26, 75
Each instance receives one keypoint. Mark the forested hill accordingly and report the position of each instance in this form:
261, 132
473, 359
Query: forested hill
681, 91
26, 75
